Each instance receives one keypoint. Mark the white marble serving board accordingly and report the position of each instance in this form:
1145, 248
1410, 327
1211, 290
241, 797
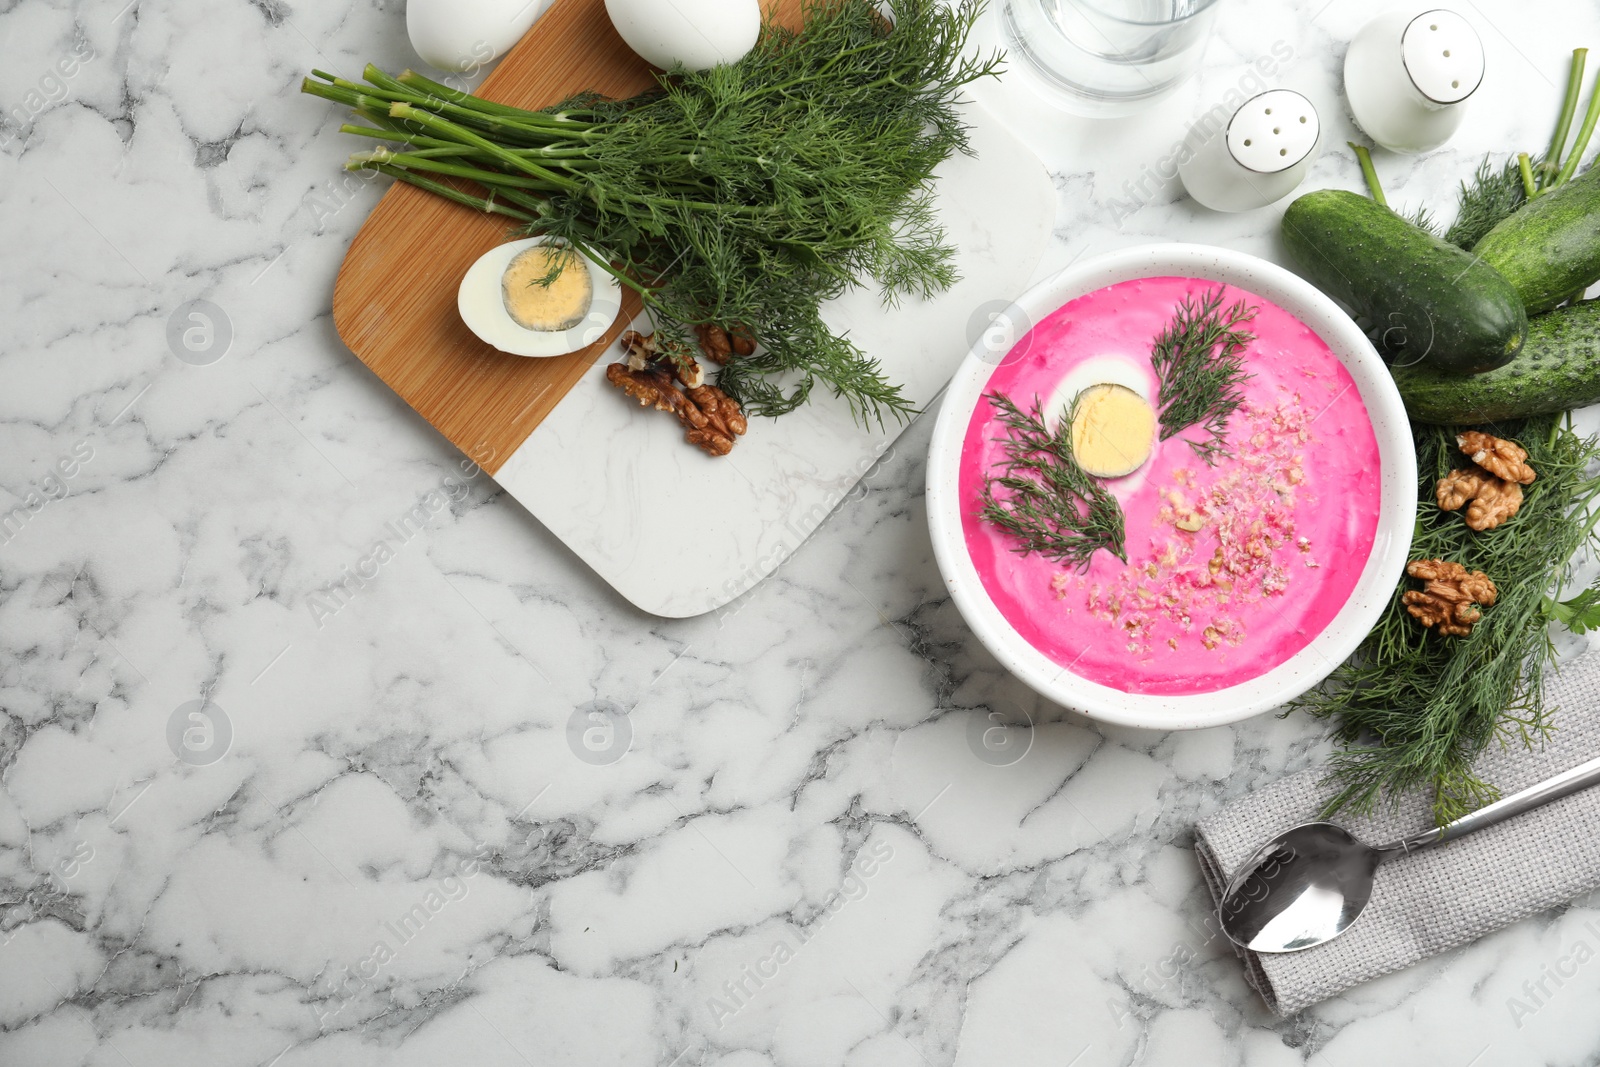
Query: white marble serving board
680, 533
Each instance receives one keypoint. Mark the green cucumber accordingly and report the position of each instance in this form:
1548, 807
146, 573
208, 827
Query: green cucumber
1558, 369
1425, 301
1549, 248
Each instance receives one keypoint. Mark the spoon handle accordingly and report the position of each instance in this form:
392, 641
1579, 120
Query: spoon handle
1535, 796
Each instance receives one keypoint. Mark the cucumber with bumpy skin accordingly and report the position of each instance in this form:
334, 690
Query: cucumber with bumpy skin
1549, 248
1426, 301
1558, 368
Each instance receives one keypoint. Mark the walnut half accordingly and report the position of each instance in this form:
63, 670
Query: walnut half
646, 349
651, 385
721, 345
710, 418
1493, 500
1502, 458
719, 422
1452, 598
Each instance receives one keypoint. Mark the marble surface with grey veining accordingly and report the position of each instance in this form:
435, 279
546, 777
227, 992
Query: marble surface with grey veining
318, 750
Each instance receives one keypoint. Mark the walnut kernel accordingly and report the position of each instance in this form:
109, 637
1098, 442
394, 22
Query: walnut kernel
1502, 458
710, 418
714, 342
721, 344
1493, 499
1452, 598
641, 349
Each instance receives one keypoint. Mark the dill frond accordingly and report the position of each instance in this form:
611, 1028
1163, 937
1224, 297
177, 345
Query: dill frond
1492, 197
1199, 362
1050, 505
1422, 218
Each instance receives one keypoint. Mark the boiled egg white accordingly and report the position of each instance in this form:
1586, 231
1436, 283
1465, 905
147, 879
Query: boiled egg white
1098, 370
482, 303
697, 33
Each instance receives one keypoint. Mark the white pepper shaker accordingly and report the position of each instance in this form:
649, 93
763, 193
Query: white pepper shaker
1261, 156
1408, 77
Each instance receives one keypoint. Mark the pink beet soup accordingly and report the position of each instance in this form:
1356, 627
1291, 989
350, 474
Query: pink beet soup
1286, 517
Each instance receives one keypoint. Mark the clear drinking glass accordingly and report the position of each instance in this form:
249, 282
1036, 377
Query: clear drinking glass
1109, 57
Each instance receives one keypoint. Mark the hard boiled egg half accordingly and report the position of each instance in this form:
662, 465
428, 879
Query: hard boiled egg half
516, 299
1114, 424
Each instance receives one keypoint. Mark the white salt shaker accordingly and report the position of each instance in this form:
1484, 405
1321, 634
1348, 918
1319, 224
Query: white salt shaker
1260, 156
1408, 77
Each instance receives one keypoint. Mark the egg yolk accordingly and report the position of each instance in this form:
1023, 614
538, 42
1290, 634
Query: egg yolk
562, 304
1113, 430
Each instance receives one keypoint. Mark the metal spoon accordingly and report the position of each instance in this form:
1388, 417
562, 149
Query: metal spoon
1311, 882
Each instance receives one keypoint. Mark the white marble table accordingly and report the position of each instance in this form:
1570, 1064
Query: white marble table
412, 835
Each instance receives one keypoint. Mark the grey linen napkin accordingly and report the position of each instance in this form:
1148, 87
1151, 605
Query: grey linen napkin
1437, 899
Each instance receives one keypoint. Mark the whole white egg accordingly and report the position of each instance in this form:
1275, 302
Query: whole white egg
698, 33
467, 35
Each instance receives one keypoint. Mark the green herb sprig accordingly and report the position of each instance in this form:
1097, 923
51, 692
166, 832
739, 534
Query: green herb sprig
1492, 197
1050, 504
746, 195
1198, 359
1416, 708
1579, 614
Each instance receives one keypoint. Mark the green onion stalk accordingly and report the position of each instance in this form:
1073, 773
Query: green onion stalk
744, 196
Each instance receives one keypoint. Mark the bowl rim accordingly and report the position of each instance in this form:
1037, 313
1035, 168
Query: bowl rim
1397, 476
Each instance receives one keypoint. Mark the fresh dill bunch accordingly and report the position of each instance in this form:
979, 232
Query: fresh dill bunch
1416, 709
1050, 505
1492, 197
1198, 359
744, 196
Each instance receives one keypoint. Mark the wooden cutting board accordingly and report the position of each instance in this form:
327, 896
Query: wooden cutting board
394, 302
673, 530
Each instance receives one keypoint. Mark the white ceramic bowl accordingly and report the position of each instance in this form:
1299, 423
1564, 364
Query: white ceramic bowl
1396, 506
